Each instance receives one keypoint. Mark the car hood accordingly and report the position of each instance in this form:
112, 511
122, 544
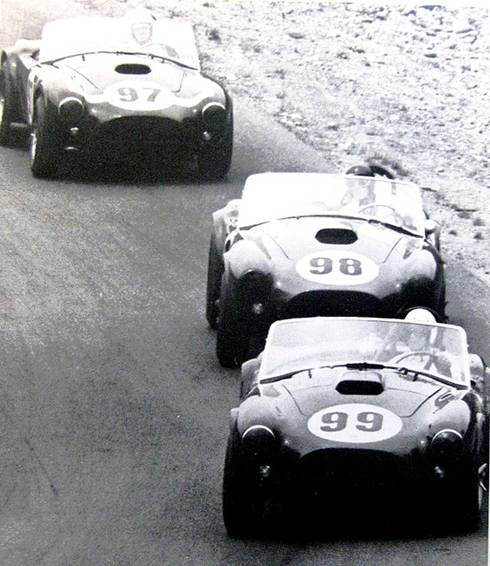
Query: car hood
102, 70
296, 237
403, 398
333, 408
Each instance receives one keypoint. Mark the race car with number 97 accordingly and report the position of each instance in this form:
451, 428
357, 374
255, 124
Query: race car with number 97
115, 87
307, 244
345, 419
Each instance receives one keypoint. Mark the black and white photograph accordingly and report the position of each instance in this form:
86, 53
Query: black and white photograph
245, 283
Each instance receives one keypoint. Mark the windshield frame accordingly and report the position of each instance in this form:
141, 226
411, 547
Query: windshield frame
312, 355
83, 35
270, 197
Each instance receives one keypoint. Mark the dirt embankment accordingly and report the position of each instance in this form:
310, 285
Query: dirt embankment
404, 86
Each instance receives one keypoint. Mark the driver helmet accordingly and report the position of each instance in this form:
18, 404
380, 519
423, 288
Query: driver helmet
141, 24
420, 315
360, 170
422, 336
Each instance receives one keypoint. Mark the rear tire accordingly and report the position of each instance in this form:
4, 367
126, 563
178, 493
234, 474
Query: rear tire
45, 144
6, 107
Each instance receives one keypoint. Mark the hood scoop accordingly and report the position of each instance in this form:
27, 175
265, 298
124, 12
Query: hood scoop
133, 69
336, 236
360, 383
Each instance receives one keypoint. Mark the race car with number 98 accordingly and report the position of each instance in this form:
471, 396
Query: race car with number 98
305, 244
346, 418
115, 87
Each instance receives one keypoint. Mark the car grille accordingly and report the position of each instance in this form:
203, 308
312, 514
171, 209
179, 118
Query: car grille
335, 303
128, 134
352, 469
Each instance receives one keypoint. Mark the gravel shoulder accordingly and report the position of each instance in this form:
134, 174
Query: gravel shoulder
404, 86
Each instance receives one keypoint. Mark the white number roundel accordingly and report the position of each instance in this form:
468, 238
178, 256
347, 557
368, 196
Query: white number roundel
139, 95
336, 267
355, 423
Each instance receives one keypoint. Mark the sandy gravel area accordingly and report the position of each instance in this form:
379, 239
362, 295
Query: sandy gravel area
403, 86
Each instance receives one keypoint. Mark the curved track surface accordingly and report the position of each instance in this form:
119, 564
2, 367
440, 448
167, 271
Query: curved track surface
113, 409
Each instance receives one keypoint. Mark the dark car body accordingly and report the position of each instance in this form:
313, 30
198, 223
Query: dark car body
89, 87
305, 244
337, 410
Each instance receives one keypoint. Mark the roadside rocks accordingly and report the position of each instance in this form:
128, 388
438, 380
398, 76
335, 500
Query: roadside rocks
407, 86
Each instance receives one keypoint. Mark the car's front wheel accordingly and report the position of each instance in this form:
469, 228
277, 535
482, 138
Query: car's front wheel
214, 158
243, 499
462, 501
45, 144
468, 500
231, 347
6, 107
215, 272
232, 340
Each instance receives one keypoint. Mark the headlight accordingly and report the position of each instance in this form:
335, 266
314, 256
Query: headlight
258, 441
254, 279
71, 110
214, 116
447, 445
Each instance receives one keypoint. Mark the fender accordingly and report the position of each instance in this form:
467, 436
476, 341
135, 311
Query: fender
245, 256
250, 370
224, 222
233, 419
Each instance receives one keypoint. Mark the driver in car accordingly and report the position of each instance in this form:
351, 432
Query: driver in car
422, 346
142, 34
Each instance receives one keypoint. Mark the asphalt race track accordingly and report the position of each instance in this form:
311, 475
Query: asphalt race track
113, 409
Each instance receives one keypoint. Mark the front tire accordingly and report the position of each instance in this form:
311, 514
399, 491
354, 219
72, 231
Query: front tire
45, 144
468, 502
232, 344
462, 502
243, 502
6, 107
215, 272
214, 158
231, 347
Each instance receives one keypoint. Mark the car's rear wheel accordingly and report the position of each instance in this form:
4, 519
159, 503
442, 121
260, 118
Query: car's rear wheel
6, 107
243, 500
214, 158
215, 272
45, 144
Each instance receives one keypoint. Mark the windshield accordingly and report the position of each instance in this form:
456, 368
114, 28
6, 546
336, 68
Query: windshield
307, 343
166, 38
272, 196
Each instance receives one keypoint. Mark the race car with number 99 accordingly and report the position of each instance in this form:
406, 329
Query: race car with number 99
115, 87
371, 419
306, 244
